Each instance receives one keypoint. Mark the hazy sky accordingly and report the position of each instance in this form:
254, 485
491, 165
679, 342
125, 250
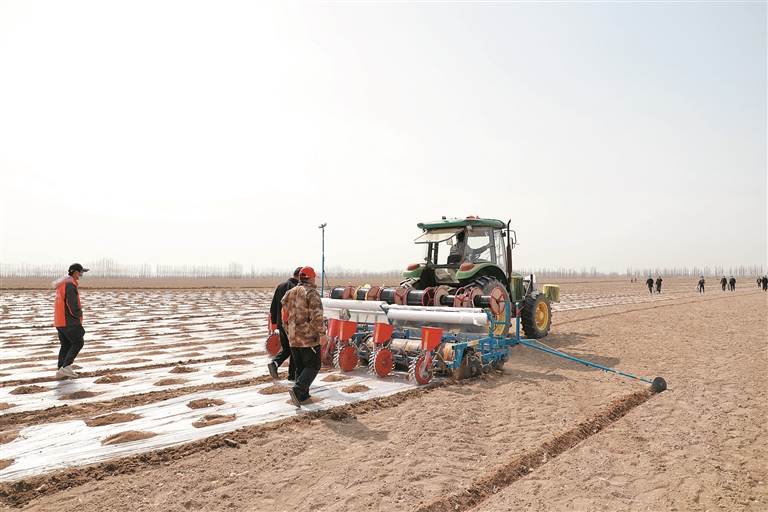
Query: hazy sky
613, 134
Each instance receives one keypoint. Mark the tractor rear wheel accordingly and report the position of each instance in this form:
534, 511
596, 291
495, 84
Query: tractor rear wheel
487, 285
536, 315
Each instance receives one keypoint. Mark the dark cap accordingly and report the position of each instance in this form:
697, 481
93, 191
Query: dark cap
76, 267
296, 272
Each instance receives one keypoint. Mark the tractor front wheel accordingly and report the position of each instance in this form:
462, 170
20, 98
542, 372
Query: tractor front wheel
536, 315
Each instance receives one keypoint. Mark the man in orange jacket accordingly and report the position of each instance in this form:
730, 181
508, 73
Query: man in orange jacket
68, 319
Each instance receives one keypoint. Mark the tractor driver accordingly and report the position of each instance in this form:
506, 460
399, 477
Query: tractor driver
466, 252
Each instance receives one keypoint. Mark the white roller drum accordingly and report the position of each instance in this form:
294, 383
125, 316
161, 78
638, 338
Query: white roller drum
353, 305
445, 317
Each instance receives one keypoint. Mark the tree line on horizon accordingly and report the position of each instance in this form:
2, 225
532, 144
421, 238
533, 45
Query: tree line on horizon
108, 268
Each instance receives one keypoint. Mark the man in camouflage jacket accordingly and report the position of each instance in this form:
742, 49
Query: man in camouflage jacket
306, 332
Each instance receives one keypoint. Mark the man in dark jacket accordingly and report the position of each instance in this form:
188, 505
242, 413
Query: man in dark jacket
649, 282
68, 319
732, 283
275, 311
723, 282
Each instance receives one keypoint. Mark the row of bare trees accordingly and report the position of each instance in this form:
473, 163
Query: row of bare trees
741, 271
108, 268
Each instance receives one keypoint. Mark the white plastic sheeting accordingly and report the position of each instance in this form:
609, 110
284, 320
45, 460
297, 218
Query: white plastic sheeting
129, 329
128, 332
139, 381
49, 447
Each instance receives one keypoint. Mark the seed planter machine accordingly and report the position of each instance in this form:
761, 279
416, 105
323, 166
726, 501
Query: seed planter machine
426, 340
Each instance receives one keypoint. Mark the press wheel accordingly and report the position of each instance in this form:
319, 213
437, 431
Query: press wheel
383, 362
347, 358
420, 370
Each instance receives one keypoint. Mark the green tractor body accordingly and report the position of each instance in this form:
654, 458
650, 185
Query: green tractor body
474, 253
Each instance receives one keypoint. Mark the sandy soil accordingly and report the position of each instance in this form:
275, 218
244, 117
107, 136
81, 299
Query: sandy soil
544, 434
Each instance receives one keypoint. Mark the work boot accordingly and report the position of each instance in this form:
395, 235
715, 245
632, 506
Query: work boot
272, 367
294, 398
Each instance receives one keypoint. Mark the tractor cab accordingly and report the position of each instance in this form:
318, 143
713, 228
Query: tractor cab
454, 248
472, 257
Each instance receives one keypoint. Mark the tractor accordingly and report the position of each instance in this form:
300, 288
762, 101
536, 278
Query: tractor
451, 314
469, 260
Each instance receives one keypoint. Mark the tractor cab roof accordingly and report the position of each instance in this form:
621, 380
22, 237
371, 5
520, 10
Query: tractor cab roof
461, 223
437, 235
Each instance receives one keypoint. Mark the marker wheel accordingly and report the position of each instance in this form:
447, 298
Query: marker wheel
273, 344
659, 385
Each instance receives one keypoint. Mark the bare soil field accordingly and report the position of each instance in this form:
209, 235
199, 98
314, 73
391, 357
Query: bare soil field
177, 284
545, 433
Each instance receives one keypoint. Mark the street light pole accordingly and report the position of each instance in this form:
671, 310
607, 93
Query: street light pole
322, 268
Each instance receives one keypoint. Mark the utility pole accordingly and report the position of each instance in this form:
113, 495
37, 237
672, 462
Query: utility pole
322, 268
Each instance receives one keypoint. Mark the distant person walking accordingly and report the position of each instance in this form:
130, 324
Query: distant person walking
275, 313
723, 282
658, 284
68, 319
700, 286
732, 283
649, 282
764, 282
306, 332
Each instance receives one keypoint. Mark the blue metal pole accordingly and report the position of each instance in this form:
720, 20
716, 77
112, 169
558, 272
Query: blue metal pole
582, 361
322, 269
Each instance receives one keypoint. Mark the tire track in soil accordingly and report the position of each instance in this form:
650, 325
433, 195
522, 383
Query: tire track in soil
522, 465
